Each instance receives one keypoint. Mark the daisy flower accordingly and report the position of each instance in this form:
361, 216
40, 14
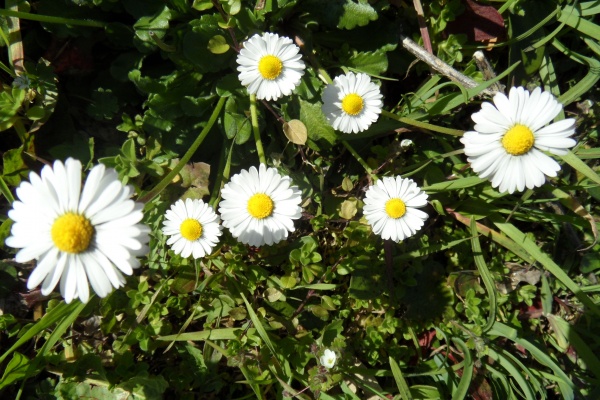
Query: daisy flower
510, 136
270, 66
328, 359
352, 103
193, 228
258, 206
77, 235
391, 208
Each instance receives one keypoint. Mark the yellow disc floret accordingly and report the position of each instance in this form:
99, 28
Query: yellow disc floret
518, 140
260, 206
395, 208
352, 104
270, 67
191, 229
72, 233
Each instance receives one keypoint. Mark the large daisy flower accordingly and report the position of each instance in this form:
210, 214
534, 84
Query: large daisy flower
77, 235
270, 66
510, 136
258, 206
193, 228
391, 208
352, 103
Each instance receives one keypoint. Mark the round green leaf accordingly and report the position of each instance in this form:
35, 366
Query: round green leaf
218, 45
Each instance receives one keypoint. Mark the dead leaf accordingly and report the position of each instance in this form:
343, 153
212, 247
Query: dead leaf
480, 22
295, 131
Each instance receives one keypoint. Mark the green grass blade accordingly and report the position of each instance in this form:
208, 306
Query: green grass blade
530, 247
513, 372
6, 191
259, 327
210, 334
400, 381
455, 184
572, 16
53, 316
484, 272
566, 386
583, 350
465, 380
580, 166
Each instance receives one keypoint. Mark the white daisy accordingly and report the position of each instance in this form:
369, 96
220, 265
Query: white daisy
510, 135
77, 235
328, 359
258, 206
270, 66
194, 228
352, 103
391, 208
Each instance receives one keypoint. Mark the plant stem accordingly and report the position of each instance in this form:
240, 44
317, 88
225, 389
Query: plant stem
358, 157
186, 157
255, 129
423, 125
51, 20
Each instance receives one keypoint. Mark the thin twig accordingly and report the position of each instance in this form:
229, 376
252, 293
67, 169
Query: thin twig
441, 67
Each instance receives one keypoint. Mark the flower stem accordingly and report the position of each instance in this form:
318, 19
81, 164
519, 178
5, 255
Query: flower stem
423, 125
254, 119
186, 157
51, 19
358, 157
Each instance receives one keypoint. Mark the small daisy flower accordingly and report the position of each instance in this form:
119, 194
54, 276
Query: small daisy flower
510, 136
352, 103
270, 66
258, 206
193, 228
77, 235
328, 359
391, 208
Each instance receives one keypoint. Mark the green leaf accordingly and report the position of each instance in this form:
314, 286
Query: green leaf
485, 274
530, 247
151, 25
372, 63
319, 131
565, 384
210, 334
356, 13
16, 369
400, 381
196, 46
218, 45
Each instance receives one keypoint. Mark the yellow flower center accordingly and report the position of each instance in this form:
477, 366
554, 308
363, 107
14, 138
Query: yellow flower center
270, 67
352, 104
72, 233
260, 206
518, 140
395, 208
191, 229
